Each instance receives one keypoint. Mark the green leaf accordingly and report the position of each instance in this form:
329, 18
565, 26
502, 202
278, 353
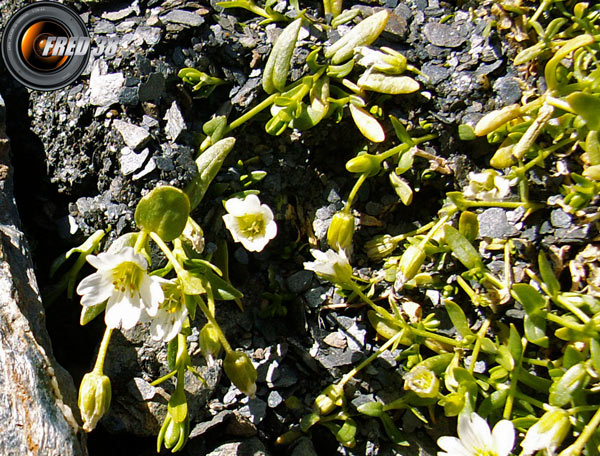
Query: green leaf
402, 188
367, 124
362, 34
401, 132
514, 343
215, 128
386, 83
392, 431
595, 353
458, 318
90, 244
221, 289
172, 354
592, 147
347, 432
587, 106
463, 249
548, 274
374, 409
278, 63
88, 313
535, 308
309, 420
163, 211
468, 225
561, 391
209, 163
340, 71
406, 160
466, 132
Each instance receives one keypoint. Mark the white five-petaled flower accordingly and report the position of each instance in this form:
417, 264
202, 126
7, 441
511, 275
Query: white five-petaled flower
172, 312
250, 222
548, 433
123, 282
488, 185
330, 266
476, 438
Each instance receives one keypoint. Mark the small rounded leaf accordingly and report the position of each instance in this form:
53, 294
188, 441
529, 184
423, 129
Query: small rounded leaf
163, 211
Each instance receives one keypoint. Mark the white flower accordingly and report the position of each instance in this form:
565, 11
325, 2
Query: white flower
330, 266
250, 222
167, 322
488, 185
548, 433
123, 281
476, 438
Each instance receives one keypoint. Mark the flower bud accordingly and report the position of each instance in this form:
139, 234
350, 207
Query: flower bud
410, 262
210, 345
364, 163
94, 399
341, 230
173, 434
241, 372
503, 157
548, 433
422, 381
380, 247
329, 399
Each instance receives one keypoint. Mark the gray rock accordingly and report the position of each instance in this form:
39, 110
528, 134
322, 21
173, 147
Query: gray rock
255, 410
131, 161
38, 405
105, 89
114, 16
304, 447
135, 137
274, 399
443, 35
153, 89
183, 17
104, 27
150, 166
175, 122
560, 219
299, 281
150, 35
205, 426
508, 90
250, 447
493, 223
129, 96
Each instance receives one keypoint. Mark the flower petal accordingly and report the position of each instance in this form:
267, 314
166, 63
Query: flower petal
131, 311
453, 447
232, 224
235, 206
95, 289
503, 437
474, 431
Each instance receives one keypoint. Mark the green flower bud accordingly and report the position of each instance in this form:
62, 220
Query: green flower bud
503, 157
341, 230
174, 435
422, 381
210, 345
380, 247
241, 372
453, 403
364, 164
329, 399
410, 262
94, 399
548, 433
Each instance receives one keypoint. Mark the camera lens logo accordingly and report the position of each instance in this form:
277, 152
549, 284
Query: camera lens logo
45, 46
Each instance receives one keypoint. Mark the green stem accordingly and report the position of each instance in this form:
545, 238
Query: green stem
478, 342
163, 378
99, 365
210, 317
564, 322
514, 379
369, 360
252, 112
583, 438
400, 237
355, 189
168, 253
140, 242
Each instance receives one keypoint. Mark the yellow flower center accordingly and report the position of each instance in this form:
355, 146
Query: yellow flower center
127, 277
484, 452
172, 302
251, 225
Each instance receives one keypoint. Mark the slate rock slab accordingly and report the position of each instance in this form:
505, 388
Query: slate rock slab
38, 409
